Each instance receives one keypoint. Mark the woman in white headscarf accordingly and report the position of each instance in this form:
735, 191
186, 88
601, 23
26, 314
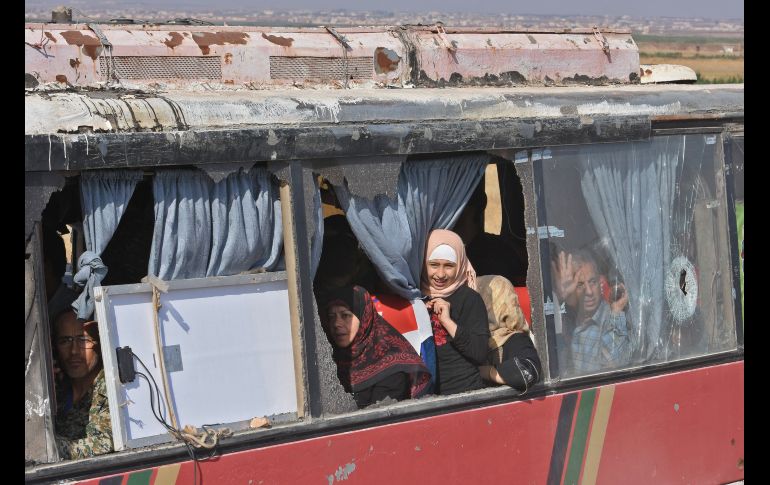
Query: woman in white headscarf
512, 358
458, 315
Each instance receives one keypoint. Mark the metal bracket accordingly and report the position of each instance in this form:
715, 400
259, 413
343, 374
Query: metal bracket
107, 48
548, 307
444, 40
602, 40
342, 40
345, 48
544, 232
100, 35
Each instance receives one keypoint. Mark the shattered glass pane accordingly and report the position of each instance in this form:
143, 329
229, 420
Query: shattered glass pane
639, 252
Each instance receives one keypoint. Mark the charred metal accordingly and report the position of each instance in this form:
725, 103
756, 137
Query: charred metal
505, 79
113, 150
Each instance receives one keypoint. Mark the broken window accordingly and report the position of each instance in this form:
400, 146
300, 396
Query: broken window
131, 219
379, 242
638, 252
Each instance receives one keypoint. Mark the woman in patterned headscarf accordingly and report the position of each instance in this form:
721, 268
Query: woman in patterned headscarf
512, 358
458, 315
374, 361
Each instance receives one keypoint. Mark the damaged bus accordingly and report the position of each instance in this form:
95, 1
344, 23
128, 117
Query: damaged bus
202, 163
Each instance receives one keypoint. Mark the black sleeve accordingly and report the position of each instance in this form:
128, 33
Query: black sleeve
521, 367
395, 386
472, 336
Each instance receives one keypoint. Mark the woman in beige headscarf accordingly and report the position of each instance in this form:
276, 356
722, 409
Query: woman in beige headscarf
512, 358
457, 313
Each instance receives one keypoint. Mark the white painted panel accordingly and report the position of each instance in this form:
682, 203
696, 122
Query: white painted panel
236, 353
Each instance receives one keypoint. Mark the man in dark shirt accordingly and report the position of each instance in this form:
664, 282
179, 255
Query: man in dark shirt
83, 426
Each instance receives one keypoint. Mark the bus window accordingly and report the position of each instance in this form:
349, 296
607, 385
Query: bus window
487, 209
638, 252
138, 223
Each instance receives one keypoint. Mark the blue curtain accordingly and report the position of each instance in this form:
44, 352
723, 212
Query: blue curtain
181, 241
104, 197
630, 196
246, 223
204, 228
393, 233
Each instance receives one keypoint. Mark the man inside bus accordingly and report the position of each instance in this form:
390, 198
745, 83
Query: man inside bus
600, 339
83, 426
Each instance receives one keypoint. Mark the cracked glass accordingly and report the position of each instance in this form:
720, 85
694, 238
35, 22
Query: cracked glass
639, 253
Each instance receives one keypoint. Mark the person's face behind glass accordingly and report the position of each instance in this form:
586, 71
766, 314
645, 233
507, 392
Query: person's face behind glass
441, 272
343, 325
588, 290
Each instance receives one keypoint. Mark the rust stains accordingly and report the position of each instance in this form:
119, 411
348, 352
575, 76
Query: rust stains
92, 51
385, 60
50, 37
282, 41
76, 37
90, 46
228, 58
174, 40
61, 78
206, 39
74, 63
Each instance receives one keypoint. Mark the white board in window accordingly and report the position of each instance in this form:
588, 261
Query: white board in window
228, 353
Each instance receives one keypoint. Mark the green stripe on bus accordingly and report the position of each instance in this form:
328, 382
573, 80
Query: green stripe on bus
579, 436
140, 478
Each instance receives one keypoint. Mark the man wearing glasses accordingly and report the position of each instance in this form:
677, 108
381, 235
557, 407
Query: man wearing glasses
83, 425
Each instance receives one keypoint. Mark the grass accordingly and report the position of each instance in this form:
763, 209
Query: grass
702, 54
686, 39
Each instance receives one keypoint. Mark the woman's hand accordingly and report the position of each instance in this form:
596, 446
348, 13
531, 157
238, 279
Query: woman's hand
441, 308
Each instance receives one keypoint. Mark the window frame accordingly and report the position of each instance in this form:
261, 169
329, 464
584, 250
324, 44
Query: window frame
683, 128
297, 174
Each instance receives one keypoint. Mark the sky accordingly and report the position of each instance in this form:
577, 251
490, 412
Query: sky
710, 9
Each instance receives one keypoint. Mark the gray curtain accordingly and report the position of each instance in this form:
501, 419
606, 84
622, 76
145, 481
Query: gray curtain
317, 240
204, 228
104, 196
630, 194
246, 223
181, 241
393, 232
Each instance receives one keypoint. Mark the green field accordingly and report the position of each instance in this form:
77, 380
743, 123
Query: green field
714, 59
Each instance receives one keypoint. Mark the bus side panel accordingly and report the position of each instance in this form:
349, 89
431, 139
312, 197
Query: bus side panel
644, 431
683, 428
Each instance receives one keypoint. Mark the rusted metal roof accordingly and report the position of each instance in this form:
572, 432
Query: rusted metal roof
257, 58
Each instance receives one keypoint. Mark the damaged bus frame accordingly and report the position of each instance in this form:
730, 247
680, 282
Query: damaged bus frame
652, 419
